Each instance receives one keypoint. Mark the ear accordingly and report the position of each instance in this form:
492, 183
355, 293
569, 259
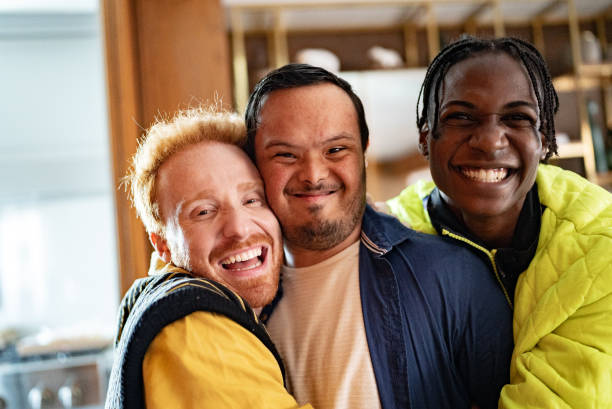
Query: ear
365, 154
161, 246
423, 147
544, 146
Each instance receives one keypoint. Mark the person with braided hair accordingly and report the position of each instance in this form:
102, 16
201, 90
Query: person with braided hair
486, 124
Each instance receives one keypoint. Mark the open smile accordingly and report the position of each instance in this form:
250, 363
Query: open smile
246, 260
485, 175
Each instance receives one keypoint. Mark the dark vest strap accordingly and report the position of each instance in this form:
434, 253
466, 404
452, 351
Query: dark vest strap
170, 301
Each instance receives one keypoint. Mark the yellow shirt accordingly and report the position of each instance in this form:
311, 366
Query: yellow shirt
206, 360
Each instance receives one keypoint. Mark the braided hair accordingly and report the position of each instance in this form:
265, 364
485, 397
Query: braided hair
467, 47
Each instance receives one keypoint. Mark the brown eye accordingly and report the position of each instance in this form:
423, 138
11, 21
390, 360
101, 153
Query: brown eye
336, 149
284, 155
459, 119
518, 120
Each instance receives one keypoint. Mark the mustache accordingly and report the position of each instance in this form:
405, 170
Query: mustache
310, 188
232, 246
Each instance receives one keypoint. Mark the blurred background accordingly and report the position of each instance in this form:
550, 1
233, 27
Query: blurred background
81, 79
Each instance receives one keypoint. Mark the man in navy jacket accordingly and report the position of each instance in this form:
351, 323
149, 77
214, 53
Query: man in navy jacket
370, 313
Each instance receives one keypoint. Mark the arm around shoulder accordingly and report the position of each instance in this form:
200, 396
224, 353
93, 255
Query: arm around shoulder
208, 360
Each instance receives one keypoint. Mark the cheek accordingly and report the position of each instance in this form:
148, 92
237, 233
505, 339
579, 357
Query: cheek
199, 244
350, 171
532, 154
270, 223
435, 155
266, 220
353, 179
275, 180
444, 149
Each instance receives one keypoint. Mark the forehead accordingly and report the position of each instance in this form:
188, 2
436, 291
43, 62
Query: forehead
494, 76
320, 109
204, 167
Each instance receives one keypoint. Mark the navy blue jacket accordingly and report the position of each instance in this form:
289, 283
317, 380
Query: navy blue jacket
439, 330
439, 334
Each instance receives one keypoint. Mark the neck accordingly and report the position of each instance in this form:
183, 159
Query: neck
494, 231
296, 256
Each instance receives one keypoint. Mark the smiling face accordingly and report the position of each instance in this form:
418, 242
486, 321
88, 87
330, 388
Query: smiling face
486, 152
309, 153
218, 225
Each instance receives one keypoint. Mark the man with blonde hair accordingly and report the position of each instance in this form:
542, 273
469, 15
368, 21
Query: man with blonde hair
186, 336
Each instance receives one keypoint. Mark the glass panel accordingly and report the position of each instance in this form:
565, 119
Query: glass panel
58, 262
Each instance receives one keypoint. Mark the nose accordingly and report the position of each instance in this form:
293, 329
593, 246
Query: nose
489, 135
237, 223
313, 169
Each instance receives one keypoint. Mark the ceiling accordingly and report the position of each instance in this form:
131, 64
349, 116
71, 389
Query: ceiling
48, 6
346, 14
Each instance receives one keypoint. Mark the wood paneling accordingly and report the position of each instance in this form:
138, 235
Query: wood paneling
161, 55
184, 54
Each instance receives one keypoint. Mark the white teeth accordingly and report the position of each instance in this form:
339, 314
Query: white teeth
485, 175
247, 255
250, 267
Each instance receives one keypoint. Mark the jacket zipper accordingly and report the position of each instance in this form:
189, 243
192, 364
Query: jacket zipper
490, 255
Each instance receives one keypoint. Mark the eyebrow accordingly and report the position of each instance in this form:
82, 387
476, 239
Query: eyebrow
279, 143
254, 185
516, 104
513, 104
206, 193
459, 103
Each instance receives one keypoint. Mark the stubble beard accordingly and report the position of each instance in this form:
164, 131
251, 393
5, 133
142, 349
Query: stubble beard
321, 234
257, 291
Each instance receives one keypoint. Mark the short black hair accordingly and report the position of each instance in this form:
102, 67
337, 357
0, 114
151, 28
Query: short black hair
469, 46
293, 76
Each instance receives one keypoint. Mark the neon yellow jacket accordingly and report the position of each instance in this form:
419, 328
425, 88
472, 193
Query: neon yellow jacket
563, 302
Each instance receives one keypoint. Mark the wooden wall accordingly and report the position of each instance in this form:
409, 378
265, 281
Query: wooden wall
161, 55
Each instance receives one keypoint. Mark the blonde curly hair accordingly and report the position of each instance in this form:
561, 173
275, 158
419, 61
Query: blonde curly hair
164, 139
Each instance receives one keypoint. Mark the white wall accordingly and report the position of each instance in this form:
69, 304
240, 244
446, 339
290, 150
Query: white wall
57, 236
389, 100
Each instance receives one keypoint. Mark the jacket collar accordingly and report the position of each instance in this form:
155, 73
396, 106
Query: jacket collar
514, 259
381, 232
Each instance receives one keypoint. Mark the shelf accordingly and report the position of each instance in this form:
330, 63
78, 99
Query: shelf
567, 83
596, 70
570, 150
604, 179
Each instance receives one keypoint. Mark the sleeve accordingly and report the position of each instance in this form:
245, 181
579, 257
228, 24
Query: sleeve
563, 356
408, 207
567, 368
206, 360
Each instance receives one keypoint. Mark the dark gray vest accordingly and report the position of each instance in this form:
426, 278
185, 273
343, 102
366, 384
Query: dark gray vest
151, 304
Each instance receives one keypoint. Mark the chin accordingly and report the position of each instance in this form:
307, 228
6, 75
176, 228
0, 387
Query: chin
487, 209
260, 297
